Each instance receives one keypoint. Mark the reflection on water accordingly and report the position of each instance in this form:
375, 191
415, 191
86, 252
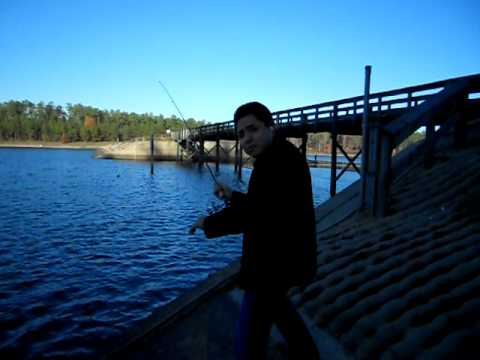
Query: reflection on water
89, 247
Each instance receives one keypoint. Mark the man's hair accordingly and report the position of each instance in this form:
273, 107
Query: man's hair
256, 109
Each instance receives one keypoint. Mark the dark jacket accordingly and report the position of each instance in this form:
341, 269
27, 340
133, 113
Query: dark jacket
277, 219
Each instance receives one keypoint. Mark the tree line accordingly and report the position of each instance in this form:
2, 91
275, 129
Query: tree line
24, 120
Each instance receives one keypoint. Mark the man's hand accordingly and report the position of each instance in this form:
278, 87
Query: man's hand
222, 191
197, 225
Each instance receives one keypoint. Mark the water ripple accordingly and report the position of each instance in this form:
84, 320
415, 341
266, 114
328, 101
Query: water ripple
89, 248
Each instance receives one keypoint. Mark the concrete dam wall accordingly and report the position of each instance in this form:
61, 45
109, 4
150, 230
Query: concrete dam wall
163, 150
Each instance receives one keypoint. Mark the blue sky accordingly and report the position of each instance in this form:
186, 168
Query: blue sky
216, 55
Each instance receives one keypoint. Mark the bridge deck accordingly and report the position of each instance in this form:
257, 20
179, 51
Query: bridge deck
347, 113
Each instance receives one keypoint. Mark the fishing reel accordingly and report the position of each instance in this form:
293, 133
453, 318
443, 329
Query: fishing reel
216, 207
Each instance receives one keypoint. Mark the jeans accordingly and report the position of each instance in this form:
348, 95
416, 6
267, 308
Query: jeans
258, 313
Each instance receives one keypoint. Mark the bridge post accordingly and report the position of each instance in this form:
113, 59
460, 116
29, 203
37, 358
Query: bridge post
236, 157
371, 174
217, 154
304, 145
365, 135
152, 147
152, 153
333, 165
201, 153
179, 139
182, 139
304, 136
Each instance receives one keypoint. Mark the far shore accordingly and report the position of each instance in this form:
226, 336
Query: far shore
83, 145
54, 145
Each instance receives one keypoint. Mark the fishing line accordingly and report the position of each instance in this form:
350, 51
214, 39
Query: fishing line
213, 208
190, 130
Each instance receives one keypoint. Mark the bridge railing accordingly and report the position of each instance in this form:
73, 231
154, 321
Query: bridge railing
444, 111
404, 98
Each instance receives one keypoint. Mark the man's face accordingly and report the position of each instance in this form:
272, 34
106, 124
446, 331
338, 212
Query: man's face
254, 135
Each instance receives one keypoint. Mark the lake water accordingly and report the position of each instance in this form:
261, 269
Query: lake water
89, 247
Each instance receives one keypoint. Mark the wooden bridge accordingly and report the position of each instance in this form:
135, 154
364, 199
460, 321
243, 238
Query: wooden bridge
392, 116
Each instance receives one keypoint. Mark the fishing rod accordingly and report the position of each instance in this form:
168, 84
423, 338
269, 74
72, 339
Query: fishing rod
186, 126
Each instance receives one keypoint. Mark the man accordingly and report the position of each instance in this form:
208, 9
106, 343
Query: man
276, 216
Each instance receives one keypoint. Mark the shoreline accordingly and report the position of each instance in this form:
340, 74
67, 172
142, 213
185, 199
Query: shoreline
81, 145
85, 145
